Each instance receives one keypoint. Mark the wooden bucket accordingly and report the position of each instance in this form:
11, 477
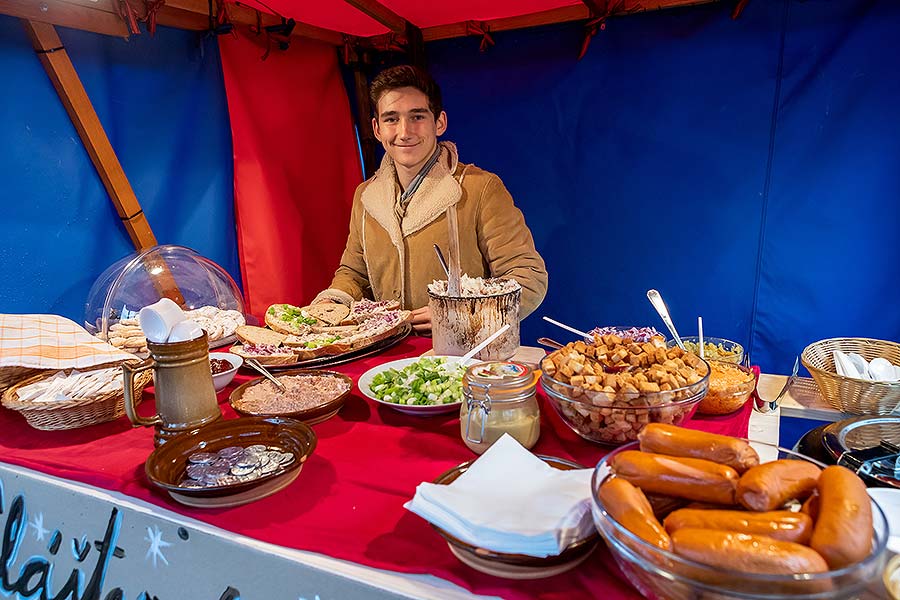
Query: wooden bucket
458, 324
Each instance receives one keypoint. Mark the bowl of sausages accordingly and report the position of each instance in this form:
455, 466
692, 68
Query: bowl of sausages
689, 514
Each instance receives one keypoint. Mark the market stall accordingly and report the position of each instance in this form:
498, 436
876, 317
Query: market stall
347, 502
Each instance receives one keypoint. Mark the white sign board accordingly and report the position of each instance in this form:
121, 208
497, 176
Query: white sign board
67, 541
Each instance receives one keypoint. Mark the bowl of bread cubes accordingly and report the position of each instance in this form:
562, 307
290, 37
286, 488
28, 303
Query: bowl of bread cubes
609, 390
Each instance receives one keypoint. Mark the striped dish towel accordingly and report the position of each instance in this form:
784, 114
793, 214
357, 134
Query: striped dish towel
52, 342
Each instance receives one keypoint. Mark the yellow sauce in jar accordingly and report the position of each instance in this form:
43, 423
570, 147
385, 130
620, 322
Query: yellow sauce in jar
499, 398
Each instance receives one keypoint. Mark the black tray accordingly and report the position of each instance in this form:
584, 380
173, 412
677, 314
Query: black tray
339, 359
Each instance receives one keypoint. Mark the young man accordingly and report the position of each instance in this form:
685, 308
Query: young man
400, 212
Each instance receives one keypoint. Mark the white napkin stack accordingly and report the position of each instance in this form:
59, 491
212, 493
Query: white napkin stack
511, 501
853, 365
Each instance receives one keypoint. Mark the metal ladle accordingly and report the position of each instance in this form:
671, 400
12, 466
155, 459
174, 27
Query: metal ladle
660, 305
265, 373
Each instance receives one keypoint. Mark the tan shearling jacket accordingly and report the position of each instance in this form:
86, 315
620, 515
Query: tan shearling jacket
387, 257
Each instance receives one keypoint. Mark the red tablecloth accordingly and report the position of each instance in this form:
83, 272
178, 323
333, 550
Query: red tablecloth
348, 501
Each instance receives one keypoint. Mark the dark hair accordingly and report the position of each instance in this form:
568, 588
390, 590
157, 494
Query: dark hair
406, 76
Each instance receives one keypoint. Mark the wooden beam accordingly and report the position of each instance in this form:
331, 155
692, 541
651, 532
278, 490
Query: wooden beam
57, 12
565, 14
75, 99
100, 16
65, 79
380, 13
243, 15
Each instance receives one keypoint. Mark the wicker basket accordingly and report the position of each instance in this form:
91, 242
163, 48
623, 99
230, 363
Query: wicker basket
850, 395
71, 414
9, 376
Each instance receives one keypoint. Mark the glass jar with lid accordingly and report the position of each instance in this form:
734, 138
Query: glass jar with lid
499, 397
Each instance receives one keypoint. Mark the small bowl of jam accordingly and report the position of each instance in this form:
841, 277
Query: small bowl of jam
223, 366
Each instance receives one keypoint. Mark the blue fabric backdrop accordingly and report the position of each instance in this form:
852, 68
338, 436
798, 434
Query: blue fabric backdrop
162, 103
746, 169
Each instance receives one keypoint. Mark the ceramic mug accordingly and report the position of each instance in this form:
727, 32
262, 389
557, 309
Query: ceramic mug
158, 319
184, 331
183, 385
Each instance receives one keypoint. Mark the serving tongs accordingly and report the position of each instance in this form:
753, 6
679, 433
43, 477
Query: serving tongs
878, 463
767, 406
265, 373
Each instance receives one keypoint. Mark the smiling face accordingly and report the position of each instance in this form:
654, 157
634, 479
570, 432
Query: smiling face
408, 130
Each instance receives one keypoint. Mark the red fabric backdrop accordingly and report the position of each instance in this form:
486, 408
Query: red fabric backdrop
296, 164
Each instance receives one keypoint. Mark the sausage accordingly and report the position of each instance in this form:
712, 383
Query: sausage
628, 505
678, 441
663, 505
745, 552
843, 531
782, 525
811, 506
769, 486
690, 478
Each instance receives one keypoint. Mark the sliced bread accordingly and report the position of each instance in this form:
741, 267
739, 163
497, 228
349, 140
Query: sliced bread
329, 313
249, 334
289, 319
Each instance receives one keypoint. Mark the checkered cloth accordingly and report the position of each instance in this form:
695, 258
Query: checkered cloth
51, 342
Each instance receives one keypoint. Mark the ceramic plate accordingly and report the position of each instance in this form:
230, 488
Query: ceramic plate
166, 466
310, 416
423, 410
225, 341
889, 501
517, 566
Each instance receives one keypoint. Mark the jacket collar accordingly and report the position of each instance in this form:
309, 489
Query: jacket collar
438, 191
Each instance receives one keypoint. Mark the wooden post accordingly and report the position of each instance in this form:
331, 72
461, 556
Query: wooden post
415, 47
364, 111
62, 73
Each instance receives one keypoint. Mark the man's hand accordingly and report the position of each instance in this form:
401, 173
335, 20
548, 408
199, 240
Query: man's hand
421, 320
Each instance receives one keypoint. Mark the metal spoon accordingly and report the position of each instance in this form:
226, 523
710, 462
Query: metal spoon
265, 373
550, 343
660, 305
440, 256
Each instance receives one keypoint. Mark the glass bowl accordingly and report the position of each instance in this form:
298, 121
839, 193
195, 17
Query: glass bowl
630, 332
611, 419
167, 271
892, 578
714, 348
659, 574
730, 386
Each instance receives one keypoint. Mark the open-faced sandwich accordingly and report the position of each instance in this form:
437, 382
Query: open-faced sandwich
263, 345
324, 329
363, 309
295, 320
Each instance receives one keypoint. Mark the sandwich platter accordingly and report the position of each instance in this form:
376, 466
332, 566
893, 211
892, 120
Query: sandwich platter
339, 359
322, 334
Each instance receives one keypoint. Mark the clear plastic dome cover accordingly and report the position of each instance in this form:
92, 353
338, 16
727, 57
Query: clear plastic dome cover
142, 278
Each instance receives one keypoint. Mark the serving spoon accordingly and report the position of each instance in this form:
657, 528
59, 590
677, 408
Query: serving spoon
265, 373
660, 305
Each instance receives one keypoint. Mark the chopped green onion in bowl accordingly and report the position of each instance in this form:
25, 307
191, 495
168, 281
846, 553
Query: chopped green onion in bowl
428, 381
